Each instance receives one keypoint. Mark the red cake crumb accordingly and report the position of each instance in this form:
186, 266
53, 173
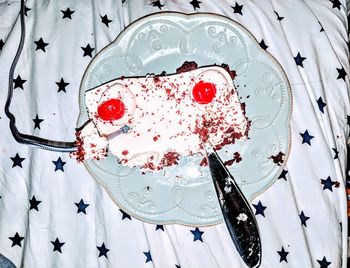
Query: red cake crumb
125, 152
278, 158
155, 138
236, 158
79, 154
232, 73
170, 159
187, 66
204, 162
229, 162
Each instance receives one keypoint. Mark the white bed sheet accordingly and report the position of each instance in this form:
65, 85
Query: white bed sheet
320, 242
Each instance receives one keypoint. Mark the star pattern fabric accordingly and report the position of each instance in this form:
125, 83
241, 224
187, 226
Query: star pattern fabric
34, 203
57, 245
195, 4
259, 209
2, 43
37, 122
328, 184
16, 240
125, 215
303, 218
157, 4
148, 256
67, 13
283, 175
62, 85
88, 50
59, 164
306, 137
321, 104
324, 263
279, 18
17, 161
103, 250
105, 21
81, 206
263, 45
237, 8
283, 255
40, 44
341, 73
19, 82
197, 234
53, 206
299, 60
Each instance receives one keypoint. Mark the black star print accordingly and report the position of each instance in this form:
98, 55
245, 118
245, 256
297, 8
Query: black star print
34, 203
324, 263
87, 50
157, 4
299, 60
306, 137
161, 227
195, 4
17, 161
322, 30
37, 122
1, 44
61, 85
197, 234
283, 255
148, 256
67, 13
336, 4
19, 82
57, 245
40, 44
125, 215
348, 120
328, 184
237, 8
263, 45
278, 16
341, 73
81, 206
59, 164
303, 218
336, 153
26, 9
321, 104
16, 240
102, 250
283, 175
177, 266
259, 209
105, 20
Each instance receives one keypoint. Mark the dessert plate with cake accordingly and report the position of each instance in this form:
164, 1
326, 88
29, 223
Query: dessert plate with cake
167, 87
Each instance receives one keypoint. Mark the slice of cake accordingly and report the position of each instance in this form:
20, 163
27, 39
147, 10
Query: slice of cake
169, 117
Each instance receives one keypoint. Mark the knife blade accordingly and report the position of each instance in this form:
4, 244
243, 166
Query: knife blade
238, 216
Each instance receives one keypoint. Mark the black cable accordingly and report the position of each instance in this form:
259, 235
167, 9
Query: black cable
50, 145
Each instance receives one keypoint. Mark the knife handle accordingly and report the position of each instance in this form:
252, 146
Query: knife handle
238, 216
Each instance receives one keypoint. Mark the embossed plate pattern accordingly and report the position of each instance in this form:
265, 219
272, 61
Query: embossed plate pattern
162, 42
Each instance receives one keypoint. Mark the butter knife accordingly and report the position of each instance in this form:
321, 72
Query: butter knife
238, 216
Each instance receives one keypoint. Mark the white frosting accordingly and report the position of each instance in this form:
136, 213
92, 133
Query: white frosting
163, 116
92, 145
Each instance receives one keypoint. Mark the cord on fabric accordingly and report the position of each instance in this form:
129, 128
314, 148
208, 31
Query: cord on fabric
50, 145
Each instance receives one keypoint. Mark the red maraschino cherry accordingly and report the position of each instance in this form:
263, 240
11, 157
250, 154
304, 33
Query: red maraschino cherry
204, 92
112, 109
